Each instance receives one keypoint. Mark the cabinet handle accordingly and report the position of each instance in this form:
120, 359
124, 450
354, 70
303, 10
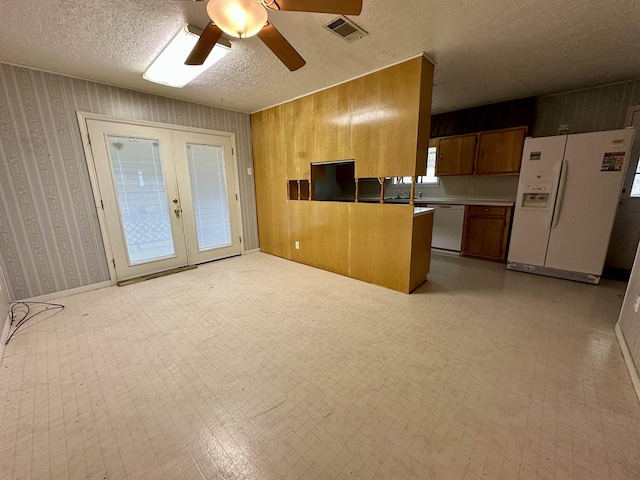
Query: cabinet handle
481, 153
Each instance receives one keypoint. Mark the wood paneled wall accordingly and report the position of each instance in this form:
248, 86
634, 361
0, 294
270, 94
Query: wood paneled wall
382, 122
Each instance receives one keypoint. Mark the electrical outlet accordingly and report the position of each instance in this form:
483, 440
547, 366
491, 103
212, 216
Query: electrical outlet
471, 191
298, 247
249, 171
636, 304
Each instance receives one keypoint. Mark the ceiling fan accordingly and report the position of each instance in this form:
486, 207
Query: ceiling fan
245, 18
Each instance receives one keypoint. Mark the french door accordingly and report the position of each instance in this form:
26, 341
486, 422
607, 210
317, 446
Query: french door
169, 196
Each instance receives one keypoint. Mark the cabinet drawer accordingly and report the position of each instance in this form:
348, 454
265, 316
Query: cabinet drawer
487, 211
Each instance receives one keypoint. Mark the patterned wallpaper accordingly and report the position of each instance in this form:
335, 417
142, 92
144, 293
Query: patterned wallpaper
4, 302
590, 110
49, 234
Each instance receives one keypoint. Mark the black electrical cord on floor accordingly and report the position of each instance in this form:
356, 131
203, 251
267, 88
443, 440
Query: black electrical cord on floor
28, 315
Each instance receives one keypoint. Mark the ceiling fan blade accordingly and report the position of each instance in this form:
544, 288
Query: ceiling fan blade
345, 7
205, 44
281, 47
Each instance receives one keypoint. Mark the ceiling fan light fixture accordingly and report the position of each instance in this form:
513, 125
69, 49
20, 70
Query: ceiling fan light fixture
169, 69
238, 18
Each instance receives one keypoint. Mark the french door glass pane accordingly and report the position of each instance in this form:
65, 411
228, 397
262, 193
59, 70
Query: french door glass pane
137, 173
209, 195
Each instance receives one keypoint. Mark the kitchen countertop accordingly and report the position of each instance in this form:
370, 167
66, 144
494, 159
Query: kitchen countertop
494, 202
421, 211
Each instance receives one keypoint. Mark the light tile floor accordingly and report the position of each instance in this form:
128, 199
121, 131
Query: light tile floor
260, 368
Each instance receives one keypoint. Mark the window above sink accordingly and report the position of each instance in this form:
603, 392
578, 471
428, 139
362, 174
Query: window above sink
428, 179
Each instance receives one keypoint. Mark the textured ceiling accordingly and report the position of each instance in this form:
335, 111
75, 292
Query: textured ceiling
486, 50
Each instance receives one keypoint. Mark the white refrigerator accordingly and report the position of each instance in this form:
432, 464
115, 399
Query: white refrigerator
568, 194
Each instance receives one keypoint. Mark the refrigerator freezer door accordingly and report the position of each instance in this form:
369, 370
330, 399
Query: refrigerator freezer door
537, 188
586, 208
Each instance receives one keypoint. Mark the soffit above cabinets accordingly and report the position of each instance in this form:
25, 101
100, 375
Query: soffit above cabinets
486, 51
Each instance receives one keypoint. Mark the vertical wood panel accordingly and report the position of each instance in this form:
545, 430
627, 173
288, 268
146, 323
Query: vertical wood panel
332, 133
322, 228
285, 136
374, 120
271, 183
424, 119
401, 112
420, 250
365, 115
381, 237
301, 129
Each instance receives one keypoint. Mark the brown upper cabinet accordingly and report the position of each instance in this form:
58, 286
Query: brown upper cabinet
500, 152
456, 155
497, 152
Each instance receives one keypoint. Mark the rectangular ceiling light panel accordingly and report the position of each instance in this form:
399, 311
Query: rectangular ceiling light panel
169, 69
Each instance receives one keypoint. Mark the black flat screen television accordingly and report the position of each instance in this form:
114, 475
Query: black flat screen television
333, 181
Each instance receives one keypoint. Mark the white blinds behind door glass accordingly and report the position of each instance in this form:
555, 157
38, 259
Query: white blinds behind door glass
137, 174
209, 195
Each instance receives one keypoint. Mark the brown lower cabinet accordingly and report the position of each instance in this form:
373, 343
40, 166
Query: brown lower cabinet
486, 232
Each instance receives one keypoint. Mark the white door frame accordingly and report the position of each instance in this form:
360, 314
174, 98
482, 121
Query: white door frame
93, 176
628, 181
630, 111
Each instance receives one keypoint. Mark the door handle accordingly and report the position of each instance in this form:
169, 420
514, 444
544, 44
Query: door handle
177, 211
563, 183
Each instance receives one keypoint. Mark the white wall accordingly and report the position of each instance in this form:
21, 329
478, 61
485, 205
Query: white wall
491, 187
629, 321
499, 187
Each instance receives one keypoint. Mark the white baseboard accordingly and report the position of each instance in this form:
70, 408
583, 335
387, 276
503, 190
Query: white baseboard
67, 293
5, 335
254, 250
631, 366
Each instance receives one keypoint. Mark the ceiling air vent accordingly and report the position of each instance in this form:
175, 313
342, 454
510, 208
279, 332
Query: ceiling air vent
345, 28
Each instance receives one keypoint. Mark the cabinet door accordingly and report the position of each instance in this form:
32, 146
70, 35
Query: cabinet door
486, 230
500, 152
483, 237
456, 155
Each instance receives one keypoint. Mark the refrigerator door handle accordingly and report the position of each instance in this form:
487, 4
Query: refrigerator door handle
556, 176
563, 182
